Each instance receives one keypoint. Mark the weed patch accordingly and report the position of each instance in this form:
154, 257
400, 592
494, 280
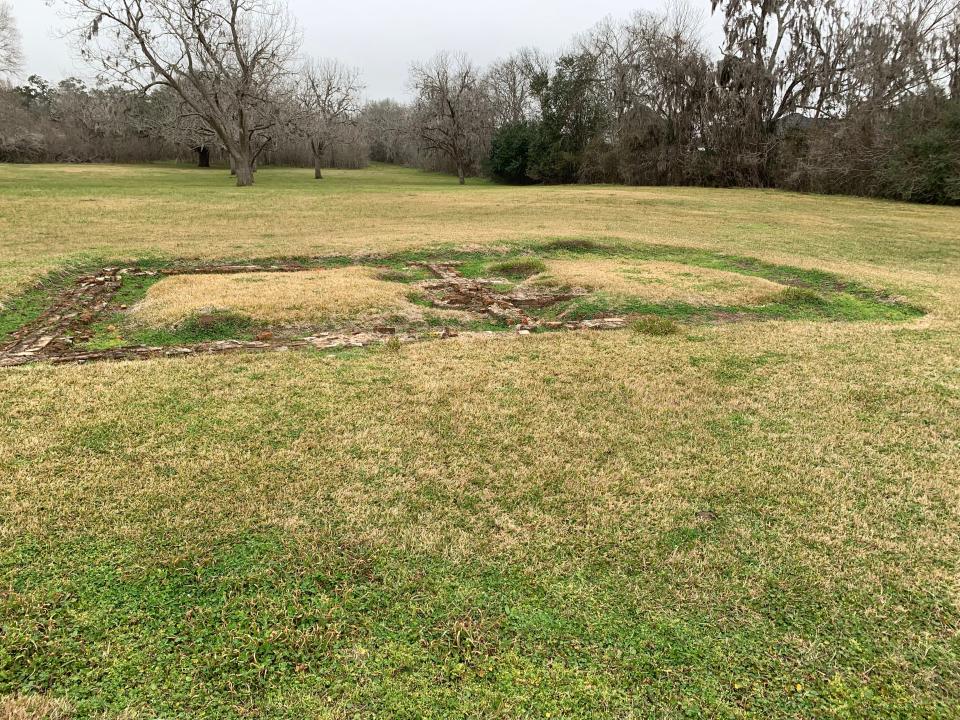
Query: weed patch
655, 325
517, 268
406, 275
799, 297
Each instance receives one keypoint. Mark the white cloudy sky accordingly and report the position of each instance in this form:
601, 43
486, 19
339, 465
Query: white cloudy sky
382, 37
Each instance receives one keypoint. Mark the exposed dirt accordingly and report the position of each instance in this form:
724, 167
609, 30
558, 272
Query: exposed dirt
54, 336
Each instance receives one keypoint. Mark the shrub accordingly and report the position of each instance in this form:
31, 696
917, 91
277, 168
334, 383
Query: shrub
22, 146
925, 164
393, 346
553, 165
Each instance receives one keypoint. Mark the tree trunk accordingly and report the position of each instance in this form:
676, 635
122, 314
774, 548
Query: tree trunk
203, 154
316, 147
245, 172
460, 174
233, 166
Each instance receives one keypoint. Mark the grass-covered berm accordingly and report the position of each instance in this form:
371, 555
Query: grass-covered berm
756, 517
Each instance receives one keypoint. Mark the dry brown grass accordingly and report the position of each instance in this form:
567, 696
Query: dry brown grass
501, 417
33, 707
659, 282
553, 484
311, 297
49, 216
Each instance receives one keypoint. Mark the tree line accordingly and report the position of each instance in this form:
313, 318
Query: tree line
814, 95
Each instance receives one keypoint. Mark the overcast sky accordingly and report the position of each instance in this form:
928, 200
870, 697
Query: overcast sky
382, 37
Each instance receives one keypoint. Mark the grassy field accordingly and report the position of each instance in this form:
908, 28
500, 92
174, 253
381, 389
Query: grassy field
739, 519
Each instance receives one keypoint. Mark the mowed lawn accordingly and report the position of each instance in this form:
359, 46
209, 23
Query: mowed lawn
747, 519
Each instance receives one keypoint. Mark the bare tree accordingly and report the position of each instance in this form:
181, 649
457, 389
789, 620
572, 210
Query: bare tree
386, 125
781, 59
11, 55
178, 124
330, 95
950, 49
824, 57
229, 60
509, 86
452, 110
903, 48
655, 77
619, 52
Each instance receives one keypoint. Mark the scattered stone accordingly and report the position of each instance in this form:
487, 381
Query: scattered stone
542, 297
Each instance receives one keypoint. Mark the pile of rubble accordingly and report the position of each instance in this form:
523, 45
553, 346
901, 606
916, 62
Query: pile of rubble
453, 291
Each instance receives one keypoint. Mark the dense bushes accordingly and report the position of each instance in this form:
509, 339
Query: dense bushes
924, 165
69, 122
876, 111
909, 153
510, 150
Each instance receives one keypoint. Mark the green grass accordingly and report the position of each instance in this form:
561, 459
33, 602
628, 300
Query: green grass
753, 518
403, 274
840, 306
24, 309
258, 616
219, 325
55, 215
